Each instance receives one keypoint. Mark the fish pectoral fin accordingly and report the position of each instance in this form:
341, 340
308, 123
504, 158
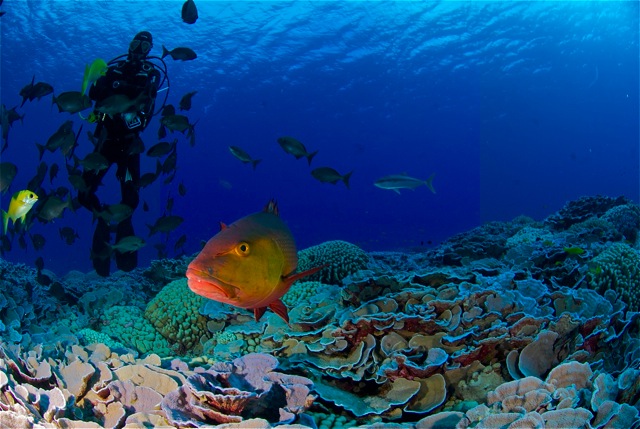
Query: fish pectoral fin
297, 276
280, 309
258, 312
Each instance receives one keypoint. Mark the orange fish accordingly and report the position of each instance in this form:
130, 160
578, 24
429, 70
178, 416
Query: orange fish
249, 264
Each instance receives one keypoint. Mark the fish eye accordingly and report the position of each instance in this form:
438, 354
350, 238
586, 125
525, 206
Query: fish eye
242, 249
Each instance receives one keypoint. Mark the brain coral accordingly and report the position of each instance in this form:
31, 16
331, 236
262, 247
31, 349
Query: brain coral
341, 259
174, 312
618, 268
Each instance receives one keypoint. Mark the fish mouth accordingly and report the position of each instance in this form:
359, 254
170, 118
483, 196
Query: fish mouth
203, 284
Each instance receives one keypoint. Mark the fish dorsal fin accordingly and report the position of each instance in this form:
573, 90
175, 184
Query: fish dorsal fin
223, 226
258, 312
280, 309
271, 207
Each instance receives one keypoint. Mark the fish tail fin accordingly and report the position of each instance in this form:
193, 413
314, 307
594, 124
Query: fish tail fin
255, 163
346, 178
429, 183
310, 156
41, 149
151, 229
5, 222
165, 52
280, 309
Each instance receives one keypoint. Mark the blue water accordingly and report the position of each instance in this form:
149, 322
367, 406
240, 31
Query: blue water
517, 107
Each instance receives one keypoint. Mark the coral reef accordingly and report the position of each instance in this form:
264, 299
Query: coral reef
511, 324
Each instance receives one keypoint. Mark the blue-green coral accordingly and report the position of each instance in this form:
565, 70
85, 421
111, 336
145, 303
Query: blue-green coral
174, 312
127, 324
618, 268
339, 257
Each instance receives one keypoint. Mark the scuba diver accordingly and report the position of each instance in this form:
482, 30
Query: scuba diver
125, 99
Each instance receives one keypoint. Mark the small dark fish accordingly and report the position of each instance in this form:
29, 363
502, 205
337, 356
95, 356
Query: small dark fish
295, 148
8, 172
165, 224
329, 175
145, 206
169, 164
243, 156
53, 172
72, 102
169, 204
114, 213
136, 147
162, 250
36, 182
22, 242
176, 122
39, 263
94, 161
185, 101
63, 135
189, 12
38, 241
68, 234
120, 103
78, 182
6, 245
146, 179
182, 53
12, 115
182, 190
53, 208
4, 118
128, 244
39, 90
26, 90
162, 132
161, 149
180, 242
167, 110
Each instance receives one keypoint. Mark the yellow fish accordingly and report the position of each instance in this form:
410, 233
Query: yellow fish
249, 264
20, 204
92, 72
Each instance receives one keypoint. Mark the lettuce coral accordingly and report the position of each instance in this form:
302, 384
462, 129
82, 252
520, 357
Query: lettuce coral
339, 257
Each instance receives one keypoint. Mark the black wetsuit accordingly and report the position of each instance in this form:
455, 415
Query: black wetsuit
117, 136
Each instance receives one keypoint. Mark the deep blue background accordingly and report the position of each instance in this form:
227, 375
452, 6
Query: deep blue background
516, 107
